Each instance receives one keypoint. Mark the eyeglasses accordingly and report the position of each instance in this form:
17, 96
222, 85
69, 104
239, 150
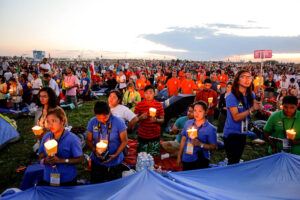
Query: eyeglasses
246, 77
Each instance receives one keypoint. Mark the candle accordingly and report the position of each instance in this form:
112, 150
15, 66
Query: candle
101, 146
66, 85
11, 91
210, 99
57, 80
139, 85
281, 107
37, 130
152, 112
218, 86
199, 85
118, 79
192, 132
28, 84
51, 147
290, 134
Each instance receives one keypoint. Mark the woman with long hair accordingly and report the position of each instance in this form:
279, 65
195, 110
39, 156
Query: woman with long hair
223, 108
282, 94
240, 104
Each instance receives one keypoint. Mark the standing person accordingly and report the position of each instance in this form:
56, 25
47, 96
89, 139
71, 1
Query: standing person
279, 122
187, 85
45, 66
26, 90
69, 151
106, 165
3, 91
223, 108
122, 81
293, 88
269, 87
194, 152
36, 85
173, 85
223, 78
16, 92
149, 130
141, 83
240, 104
210, 97
52, 84
85, 84
214, 82
71, 84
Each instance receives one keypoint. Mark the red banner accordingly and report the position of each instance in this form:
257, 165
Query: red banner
263, 54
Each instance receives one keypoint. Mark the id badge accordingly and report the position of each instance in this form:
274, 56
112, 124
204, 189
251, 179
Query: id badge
190, 148
54, 179
285, 144
244, 126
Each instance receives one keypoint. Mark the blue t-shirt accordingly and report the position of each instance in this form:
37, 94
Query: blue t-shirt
207, 134
85, 83
69, 146
25, 87
232, 126
180, 125
117, 126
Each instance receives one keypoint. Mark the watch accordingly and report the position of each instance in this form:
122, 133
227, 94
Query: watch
67, 160
202, 145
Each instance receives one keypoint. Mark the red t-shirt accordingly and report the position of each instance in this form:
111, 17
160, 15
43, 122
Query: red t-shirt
203, 95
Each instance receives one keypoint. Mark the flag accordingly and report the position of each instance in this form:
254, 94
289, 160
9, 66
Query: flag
89, 74
53, 66
18, 67
92, 68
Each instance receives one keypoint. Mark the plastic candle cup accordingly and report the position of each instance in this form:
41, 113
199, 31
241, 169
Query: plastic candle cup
57, 80
290, 134
192, 132
152, 112
37, 130
28, 84
51, 147
210, 99
11, 91
101, 146
281, 107
218, 86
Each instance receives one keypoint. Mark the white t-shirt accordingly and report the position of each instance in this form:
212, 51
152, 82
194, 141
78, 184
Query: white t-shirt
123, 113
122, 79
54, 86
36, 84
5, 65
8, 75
45, 66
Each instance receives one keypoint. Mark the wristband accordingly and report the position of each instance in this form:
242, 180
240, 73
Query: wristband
42, 162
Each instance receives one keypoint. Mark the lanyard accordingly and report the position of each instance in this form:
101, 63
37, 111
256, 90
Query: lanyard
107, 133
284, 131
59, 137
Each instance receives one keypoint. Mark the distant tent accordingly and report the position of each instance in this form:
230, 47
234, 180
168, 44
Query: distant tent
7, 133
177, 105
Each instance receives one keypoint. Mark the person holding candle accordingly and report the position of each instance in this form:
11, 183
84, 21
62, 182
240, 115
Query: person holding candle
150, 121
281, 122
240, 104
210, 97
223, 78
71, 84
141, 83
26, 90
106, 128
16, 92
131, 97
60, 167
3, 91
283, 93
194, 148
36, 85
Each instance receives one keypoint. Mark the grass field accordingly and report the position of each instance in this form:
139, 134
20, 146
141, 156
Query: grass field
20, 153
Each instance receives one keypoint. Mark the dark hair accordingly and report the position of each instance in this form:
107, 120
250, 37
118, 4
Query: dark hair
2, 79
24, 76
292, 80
58, 112
207, 81
290, 100
47, 76
229, 83
101, 107
201, 103
236, 92
13, 80
52, 100
130, 85
148, 87
118, 94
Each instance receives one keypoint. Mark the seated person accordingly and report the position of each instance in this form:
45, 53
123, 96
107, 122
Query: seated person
131, 97
149, 130
279, 122
194, 152
172, 147
114, 100
106, 165
60, 168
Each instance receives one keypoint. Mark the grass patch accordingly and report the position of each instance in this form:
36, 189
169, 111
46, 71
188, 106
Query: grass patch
19, 154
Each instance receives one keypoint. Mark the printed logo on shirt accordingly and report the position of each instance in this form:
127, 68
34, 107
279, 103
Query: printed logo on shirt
240, 105
95, 128
279, 123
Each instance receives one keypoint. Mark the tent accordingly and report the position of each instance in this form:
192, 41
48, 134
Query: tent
273, 177
7, 133
177, 105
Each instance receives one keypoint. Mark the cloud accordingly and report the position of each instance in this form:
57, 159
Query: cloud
234, 26
203, 43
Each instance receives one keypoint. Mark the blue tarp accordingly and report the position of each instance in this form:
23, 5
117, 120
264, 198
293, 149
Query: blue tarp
7, 132
272, 177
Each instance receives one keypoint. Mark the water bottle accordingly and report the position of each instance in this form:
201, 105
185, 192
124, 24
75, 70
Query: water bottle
225, 161
159, 170
151, 163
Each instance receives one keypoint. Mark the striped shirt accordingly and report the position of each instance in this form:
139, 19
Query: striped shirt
148, 129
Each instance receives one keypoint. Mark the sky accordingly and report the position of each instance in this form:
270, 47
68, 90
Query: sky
156, 29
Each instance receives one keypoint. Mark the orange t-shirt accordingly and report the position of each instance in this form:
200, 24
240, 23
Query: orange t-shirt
140, 85
161, 82
187, 86
173, 85
199, 85
181, 75
223, 80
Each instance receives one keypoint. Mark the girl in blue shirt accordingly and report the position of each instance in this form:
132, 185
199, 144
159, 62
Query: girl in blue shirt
240, 104
205, 141
60, 168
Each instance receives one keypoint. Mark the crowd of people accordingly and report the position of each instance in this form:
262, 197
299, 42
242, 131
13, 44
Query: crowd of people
224, 91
